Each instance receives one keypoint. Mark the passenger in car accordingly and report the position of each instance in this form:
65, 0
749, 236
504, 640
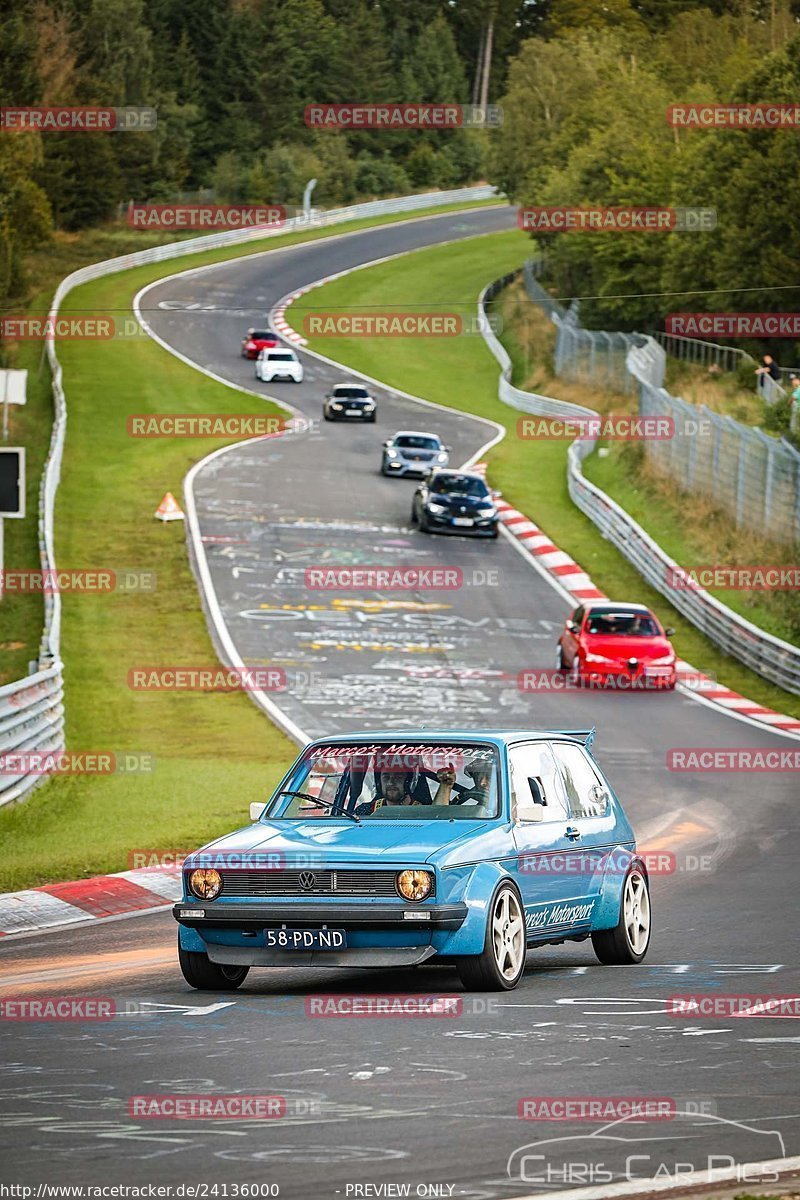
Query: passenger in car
481, 775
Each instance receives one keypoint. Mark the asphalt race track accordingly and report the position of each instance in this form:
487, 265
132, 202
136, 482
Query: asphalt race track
407, 1100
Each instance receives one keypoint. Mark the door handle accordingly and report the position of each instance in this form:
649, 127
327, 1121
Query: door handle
572, 832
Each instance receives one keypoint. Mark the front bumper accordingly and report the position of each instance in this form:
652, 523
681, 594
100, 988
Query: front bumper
370, 956
394, 466
373, 917
619, 677
443, 523
365, 414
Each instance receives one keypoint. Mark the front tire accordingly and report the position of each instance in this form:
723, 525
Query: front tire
201, 973
499, 967
628, 941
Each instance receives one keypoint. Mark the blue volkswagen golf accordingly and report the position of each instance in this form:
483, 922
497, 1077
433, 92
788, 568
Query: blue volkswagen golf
392, 850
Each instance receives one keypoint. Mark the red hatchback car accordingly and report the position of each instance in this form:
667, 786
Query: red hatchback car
256, 341
619, 645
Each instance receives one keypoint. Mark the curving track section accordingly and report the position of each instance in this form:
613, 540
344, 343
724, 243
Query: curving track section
414, 1101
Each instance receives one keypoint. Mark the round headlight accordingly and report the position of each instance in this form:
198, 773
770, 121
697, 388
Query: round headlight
414, 885
206, 883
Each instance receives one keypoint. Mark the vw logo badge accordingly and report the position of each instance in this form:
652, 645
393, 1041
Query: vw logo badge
307, 880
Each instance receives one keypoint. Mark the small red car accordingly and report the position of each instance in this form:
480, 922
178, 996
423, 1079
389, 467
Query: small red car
258, 340
619, 645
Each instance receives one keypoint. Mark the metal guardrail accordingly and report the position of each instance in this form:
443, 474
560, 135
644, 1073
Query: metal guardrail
769, 656
32, 709
31, 720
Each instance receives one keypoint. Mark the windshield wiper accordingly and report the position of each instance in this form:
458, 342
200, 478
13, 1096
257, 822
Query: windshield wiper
315, 800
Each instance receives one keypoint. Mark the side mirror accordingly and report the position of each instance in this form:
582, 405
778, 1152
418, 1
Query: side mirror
256, 809
533, 811
669, 631
572, 627
495, 494
447, 448
386, 445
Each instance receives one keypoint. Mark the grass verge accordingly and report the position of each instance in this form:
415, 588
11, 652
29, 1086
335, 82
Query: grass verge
461, 374
213, 753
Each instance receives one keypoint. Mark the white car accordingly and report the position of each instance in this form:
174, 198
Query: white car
278, 362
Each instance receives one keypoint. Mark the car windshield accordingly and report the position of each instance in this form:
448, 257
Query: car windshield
350, 393
459, 485
413, 442
391, 781
622, 624
262, 335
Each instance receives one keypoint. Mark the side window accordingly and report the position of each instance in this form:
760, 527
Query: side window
586, 792
535, 761
577, 616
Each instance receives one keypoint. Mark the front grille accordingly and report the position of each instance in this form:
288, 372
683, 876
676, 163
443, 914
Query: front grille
264, 882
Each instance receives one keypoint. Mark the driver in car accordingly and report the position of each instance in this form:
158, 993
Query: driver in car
393, 787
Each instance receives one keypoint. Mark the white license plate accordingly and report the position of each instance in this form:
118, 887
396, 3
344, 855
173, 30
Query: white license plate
463, 521
306, 939
352, 412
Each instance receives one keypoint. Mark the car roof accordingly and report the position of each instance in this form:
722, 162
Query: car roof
499, 737
615, 606
452, 471
350, 383
415, 433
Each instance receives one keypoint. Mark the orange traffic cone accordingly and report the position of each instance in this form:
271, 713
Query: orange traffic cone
169, 509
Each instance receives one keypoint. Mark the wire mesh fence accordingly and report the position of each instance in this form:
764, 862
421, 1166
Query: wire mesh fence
754, 477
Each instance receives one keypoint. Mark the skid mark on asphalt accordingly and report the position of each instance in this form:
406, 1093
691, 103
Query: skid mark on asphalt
85, 968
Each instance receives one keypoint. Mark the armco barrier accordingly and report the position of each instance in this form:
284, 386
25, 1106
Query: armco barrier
769, 656
31, 709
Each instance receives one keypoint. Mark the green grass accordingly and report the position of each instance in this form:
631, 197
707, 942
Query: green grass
213, 753
462, 374
21, 615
